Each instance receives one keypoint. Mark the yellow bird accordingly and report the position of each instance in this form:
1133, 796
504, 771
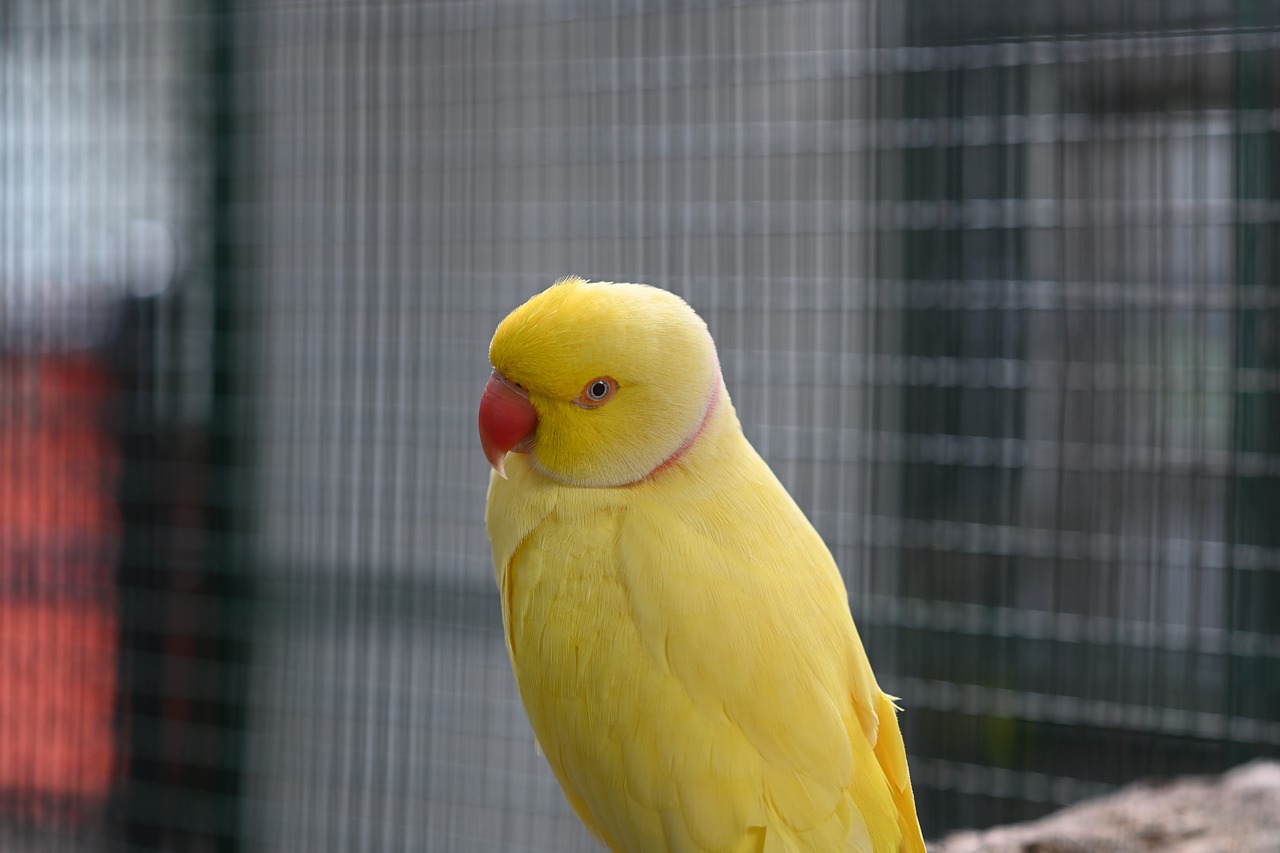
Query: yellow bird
679, 633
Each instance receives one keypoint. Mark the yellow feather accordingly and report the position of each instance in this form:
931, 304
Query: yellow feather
682, 641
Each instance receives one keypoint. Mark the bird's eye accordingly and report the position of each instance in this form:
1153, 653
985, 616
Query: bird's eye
597, 392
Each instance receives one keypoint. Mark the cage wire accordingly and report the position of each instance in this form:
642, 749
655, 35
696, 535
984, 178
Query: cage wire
996, 293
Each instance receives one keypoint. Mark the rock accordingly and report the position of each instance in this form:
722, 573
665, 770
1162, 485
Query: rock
1238, 812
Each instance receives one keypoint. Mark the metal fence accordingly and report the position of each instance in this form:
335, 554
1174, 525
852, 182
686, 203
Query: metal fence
996, 289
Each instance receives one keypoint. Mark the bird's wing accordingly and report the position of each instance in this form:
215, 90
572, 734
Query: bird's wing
738, 601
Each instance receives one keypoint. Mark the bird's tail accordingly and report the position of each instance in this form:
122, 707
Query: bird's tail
892, 755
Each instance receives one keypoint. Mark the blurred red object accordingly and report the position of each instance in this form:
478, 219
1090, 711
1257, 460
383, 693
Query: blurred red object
60, 533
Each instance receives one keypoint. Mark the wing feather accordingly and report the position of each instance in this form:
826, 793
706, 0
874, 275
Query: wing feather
752, 621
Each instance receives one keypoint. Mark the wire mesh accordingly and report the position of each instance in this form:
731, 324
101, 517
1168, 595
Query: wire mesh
995, 292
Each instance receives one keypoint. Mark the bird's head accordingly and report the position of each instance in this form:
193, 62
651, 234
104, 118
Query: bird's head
602, 383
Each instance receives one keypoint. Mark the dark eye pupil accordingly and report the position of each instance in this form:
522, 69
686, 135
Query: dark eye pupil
598, 390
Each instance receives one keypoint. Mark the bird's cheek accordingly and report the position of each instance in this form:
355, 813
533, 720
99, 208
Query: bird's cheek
507, 421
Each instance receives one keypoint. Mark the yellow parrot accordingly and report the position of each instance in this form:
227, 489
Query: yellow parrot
679, 633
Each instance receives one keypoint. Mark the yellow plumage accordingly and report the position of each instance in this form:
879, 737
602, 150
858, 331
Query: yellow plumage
678, 630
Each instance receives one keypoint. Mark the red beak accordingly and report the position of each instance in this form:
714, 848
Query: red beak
507, 421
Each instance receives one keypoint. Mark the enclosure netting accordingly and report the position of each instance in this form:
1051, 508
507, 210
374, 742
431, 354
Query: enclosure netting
996, 290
